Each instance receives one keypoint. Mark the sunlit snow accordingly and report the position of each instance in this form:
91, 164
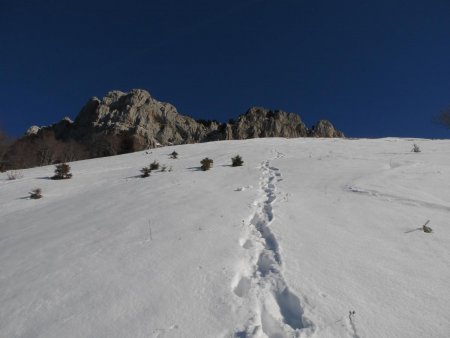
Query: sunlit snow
309, 238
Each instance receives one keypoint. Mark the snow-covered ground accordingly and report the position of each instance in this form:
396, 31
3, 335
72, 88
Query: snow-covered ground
284, 246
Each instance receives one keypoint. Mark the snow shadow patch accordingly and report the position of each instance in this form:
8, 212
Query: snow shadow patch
194, 168
290, 308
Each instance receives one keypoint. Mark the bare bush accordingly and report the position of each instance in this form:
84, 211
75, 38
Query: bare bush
14, 174
4, 144
443, 118
415, 149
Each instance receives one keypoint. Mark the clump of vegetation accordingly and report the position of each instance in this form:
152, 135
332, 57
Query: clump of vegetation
145, 172
426, 228
62, 172
415, 149
237, 161
163, 167
154, 165
174, 155
36, 194
206, 163
14, 174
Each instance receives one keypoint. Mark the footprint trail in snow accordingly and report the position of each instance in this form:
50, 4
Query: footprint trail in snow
275, 311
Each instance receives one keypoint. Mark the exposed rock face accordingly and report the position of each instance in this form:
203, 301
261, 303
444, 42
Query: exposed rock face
324, 128
261, 122
137, 113
125, 122
150, 123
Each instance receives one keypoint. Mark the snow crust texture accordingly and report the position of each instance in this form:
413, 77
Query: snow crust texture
311, 238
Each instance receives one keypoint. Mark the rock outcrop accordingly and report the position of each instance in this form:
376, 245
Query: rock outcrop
124, 122
324, 128
261, 122
151, 122
137, 114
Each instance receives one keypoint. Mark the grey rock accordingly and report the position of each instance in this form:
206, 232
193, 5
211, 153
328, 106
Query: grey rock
151, 123
324, 128
260, 122
137, 113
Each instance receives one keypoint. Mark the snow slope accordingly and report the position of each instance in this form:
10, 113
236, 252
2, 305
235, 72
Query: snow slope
285, 246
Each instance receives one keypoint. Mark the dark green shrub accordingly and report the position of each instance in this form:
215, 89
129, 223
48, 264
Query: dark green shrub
62, 172
206, 164
154, 165
145, 172
174, 155
237, 161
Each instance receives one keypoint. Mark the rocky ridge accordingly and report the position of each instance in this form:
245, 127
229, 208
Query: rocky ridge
151, 123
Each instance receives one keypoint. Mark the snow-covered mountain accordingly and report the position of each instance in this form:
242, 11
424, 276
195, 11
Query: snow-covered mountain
309, 238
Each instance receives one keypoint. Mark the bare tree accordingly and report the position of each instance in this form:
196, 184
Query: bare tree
3, 142
73, 151
4, 145
444, 118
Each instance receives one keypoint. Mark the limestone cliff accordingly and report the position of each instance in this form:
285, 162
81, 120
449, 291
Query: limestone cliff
151, 123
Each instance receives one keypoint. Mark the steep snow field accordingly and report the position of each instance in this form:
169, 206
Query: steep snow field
284, 246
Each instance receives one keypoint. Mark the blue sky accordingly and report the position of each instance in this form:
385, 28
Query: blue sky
373, 68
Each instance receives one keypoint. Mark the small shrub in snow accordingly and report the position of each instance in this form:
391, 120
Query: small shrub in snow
163, 168
145, 172
35, 194
426, 228
206, 164
62, 172
154, 165
170, 169
14, 174
174, 155
415, 149
237, 161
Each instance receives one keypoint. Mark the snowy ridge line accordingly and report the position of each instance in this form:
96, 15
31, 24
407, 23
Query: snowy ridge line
396, 198
275, 311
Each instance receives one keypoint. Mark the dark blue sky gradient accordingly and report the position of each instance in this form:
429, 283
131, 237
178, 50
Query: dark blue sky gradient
374, 68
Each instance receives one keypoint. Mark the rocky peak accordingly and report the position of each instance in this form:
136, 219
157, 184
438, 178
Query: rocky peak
324, 128
262, 122
33, 130
135, 114
134, 98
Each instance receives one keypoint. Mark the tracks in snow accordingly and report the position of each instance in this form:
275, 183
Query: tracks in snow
265, 299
